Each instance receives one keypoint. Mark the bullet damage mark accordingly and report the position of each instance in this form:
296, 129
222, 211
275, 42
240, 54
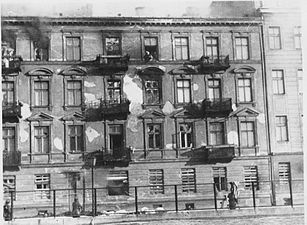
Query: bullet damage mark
58, 143
261, 118
91, 134
234, 107
168, 108
169, 146
195, 87
232, 138
89, 84
23, 131
90, 97
132, 123
25, 111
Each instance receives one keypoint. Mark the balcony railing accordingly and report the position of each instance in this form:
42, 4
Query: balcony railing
11, 158
11, 112
217, 107
11, 64
220, 153
208, 65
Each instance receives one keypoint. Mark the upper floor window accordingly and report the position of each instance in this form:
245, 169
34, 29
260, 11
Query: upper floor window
74, 92
244, 89
73, 49
185, 135
8, 137
212, 49
154, 136
75, 134
41, 49
156, 181
42, 186
41, 139
8, 93
278, 82
297, 37
274, 38
247, 134
116, 139
188, 180
214, 89
251, 176
284, 172
220, 178
152, 92
181, 48
183, 91
114, 91
41, 93
217, 133
151, 48
281, 128
241, 48
112, 45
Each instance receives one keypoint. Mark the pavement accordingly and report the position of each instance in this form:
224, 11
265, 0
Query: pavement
280, 214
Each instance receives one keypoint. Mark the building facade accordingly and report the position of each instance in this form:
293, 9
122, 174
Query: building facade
115, 103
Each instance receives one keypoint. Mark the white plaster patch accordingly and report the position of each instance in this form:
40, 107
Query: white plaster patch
131, 89
89, 97
169, 146
58, 143
168, 108
135, 108
234, 107
203, 144
162, 68
25, 111
132, 123
232, 138
195, 87
91, 134
261, 118
23, 133
89, 84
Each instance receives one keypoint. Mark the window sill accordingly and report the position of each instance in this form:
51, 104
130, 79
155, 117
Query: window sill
49, 107
151, 105
246, 103
75, 153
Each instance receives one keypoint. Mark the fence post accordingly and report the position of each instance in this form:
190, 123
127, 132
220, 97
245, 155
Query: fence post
136, 200
215, 201
12, 205
54, 203
176, 198
290, 190
254, 197
95, 191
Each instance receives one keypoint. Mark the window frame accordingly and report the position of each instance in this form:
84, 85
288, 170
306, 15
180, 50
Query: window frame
192, 135
156, 37
214, 87
188, 38
122, 126
113, 89
223, 133
253, 132
82, 147
280, 127
155, 186
210, 45
183, 96
69, 79
188, 180
121, 175
40, 91
111, 34
278, 81
298, 37
154, 140
284, 172
73, 47
217, 172
41, 192
15, 140
6, 90
159, 81
48, 138
248, 173
276, 37
39, 78
248, 47
300, 75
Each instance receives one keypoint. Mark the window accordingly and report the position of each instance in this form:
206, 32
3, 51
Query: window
41, 48
245, 89
188, 180
183, 91
281, 128
118, 183
297, 37
274, 38
75, 133
241, 47
113, 46
284, 172
114, 91
185, 135
251, 176
181, 48
9, 185
278, 82
42, 186
247, 134
156, 181
41, 93
8, 137
300, 81
8, 93
220, 178
151, 46
212, 49
73, 49
41, 138
116, 139
217, 133
74, 92
154, 136
214, 89
152, 92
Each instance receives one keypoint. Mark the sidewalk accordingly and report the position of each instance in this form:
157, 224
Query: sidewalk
192, 214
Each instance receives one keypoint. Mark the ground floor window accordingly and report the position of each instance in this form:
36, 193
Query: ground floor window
188, 180
42, 186
118, 183
220, 178
9, 185
156, 181
251, 176
284, 172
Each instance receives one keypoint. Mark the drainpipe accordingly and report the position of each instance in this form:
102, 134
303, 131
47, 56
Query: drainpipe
266, 109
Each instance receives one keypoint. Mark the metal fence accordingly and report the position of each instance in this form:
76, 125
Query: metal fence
153, 199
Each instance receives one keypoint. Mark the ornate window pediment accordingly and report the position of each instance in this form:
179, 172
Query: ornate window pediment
40, 72
244, 69
74, 71
152, 70
245, 112
75, 116
40, 117
150, 114
183, 70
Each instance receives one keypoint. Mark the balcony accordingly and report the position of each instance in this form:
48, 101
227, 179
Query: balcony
11, 158
220, 153
11, 112
11, 64
217, 107
207, 65
107, 109
107, 64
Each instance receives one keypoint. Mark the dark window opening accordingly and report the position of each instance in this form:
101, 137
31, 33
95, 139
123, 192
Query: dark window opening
118, 183
116, 140
151, 48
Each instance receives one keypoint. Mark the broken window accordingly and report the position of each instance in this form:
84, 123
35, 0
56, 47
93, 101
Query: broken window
185, 135
245, 89
112, 45
181, 48
151, 46
183, 91
217, 133
274, 38
250, 176
188, 180
42, 186
9, 185
118, 183
220, 178
116, 139
156, 181
281, 128
278, 82
75, 134
214, 89
8, 93
212, 49
74, 92
297, 37
41, 49
284, 172
247, 134
73, 49
241, 48
154, 136
41, 139
8, 137
152, 92
114, 91
41, 93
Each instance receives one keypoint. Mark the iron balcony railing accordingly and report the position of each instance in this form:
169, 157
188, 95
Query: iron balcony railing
11, 158
11, 64
217, 107
11, 111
